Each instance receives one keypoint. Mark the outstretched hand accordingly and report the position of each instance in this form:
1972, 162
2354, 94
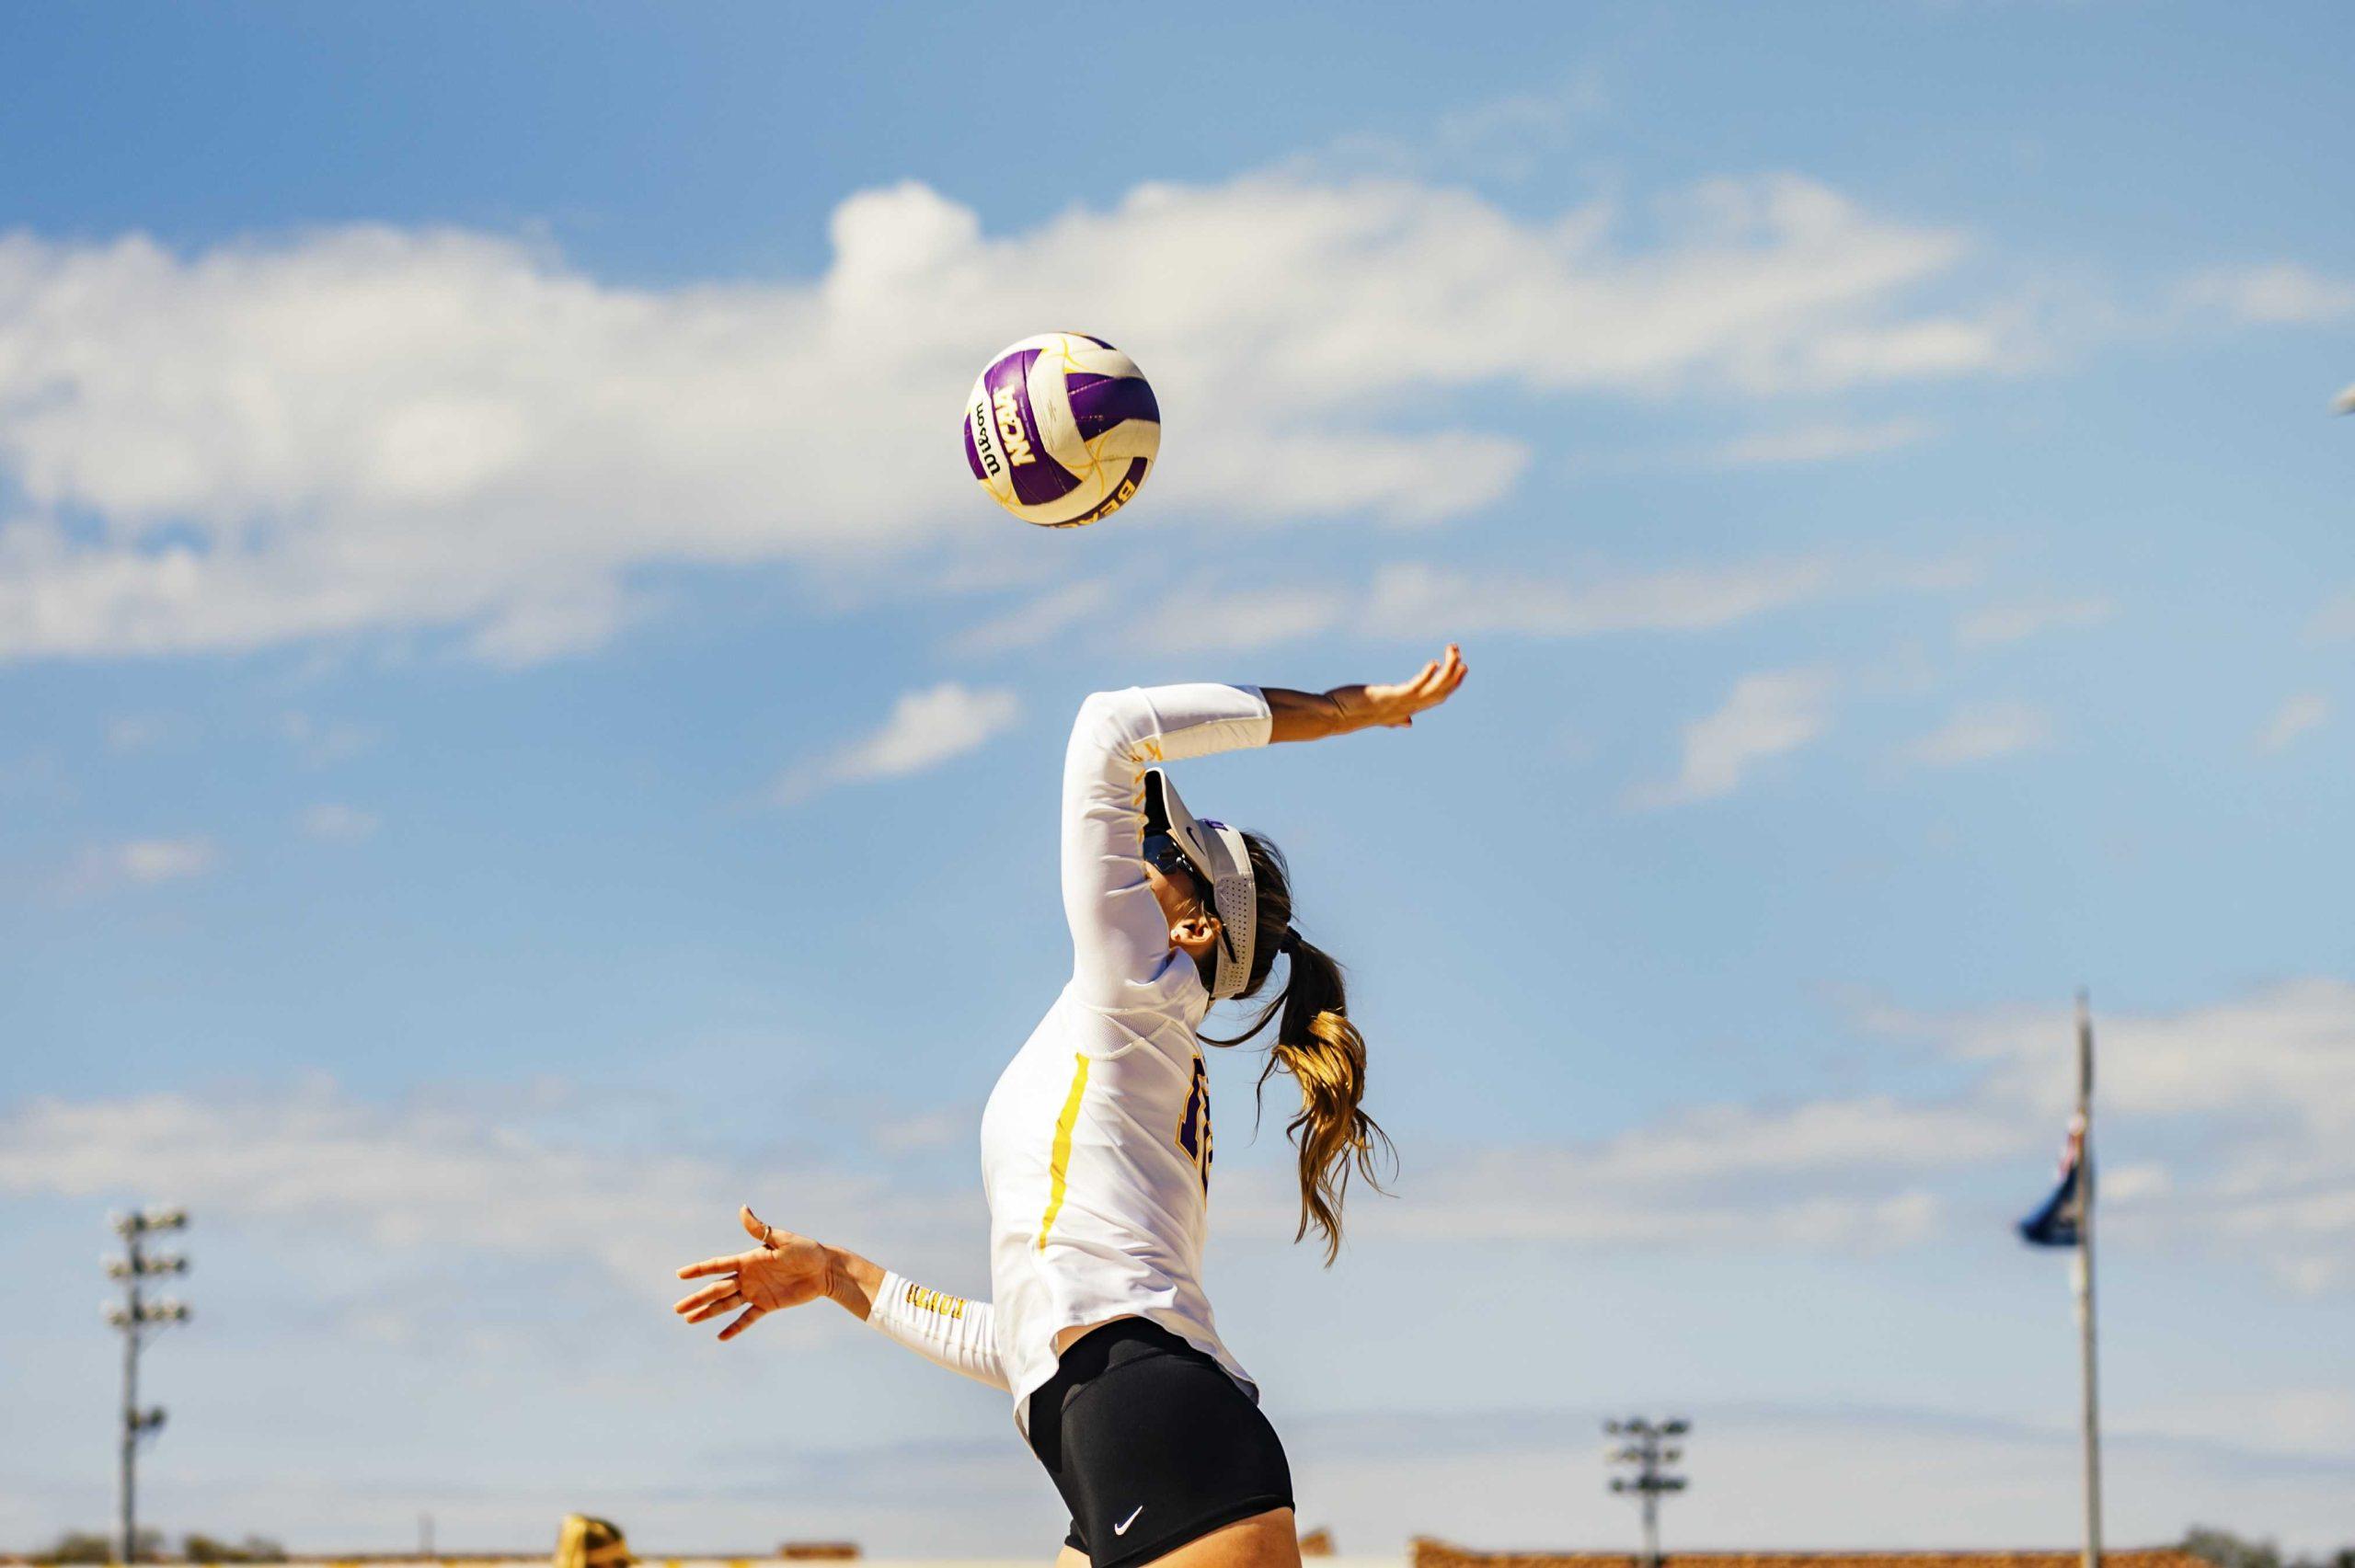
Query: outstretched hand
785, 1270
1394, 707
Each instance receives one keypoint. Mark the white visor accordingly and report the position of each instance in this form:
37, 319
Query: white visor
1220, 853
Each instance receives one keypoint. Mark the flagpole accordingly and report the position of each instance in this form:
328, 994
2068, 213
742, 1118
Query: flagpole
2084, 1283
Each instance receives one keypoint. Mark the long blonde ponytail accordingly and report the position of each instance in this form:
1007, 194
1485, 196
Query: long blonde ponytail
1322, 1049
1317, 1045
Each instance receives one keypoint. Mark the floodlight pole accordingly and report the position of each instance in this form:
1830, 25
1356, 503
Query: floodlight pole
133, 1319
1651, 1528
127, 1483
2084, 1281
1646, 1451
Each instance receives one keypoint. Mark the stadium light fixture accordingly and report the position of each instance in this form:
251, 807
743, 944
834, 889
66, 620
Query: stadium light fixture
137, 1318
1648, 1456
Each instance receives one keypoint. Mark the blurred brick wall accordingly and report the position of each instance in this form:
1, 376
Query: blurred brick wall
1425, 1552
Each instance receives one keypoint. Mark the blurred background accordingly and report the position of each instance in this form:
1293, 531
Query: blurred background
518, 734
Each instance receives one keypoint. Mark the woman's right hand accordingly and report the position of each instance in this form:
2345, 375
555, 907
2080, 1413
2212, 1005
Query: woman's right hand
785, 1270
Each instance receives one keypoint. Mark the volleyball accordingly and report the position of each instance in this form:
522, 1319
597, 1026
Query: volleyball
1061, 429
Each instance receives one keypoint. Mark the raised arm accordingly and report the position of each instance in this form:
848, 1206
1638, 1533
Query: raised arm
1120, 936
1305, 716
787, 1270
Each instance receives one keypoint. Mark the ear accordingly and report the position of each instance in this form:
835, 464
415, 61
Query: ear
1194, 937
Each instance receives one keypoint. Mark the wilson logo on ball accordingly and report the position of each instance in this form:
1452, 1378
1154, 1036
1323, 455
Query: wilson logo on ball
1061, 429
983, 449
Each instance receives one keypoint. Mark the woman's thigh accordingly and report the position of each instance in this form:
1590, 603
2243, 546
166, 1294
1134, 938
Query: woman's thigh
1264, 1541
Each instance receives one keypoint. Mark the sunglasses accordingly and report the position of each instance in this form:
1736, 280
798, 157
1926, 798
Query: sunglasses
1166, 857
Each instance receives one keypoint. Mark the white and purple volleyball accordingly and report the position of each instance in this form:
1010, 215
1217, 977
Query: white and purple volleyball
1061, 429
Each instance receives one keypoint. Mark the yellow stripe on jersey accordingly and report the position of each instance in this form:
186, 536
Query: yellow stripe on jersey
1059, 1162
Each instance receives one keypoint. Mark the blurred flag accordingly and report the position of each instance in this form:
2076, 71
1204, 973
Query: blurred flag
2060, 1221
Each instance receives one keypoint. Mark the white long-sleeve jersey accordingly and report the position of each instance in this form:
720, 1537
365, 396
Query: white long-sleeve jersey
1095, 1144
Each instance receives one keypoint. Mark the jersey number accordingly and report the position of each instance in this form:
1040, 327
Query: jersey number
1194, 1126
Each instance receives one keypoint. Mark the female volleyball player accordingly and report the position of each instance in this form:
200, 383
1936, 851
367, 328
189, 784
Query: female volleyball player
1096, 1146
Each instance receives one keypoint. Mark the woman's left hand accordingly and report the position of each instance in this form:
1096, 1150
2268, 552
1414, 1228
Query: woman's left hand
785, 1271
1395, 706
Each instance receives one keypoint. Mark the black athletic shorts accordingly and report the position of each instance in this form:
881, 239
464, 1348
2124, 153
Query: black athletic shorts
1151, 1445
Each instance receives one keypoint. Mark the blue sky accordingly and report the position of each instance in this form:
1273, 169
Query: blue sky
516, 734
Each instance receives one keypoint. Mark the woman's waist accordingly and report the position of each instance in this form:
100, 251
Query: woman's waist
1073, 1333
1160, 1224
1054, 1323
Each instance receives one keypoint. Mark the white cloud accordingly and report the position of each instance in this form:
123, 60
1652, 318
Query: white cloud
2295, 716
2020, 619
1978, 733
1229, 615
943, 1128
1819, 443
423, 1182
1826, 1175
1910, 1479
1554, 1197
307, 1180
2335, 622
2253, 1098
2274, 294
1420, 601
1504, 138
144, 861
373, 429
35, 772
138, 732
2240, 1115
323, 742
1041, 619
165, 860
2286, 1049
925, 729
1767, 714
1415, 600
2319, 1421
2227, 1124
333, 823
1236, 618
